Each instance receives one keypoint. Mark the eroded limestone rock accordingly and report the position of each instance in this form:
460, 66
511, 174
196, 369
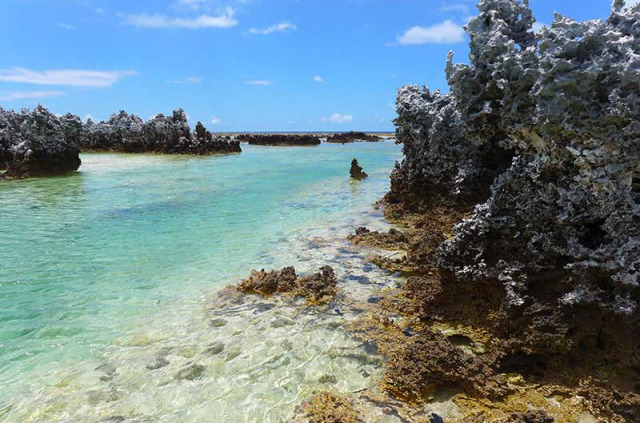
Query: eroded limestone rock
39, 143
317, 288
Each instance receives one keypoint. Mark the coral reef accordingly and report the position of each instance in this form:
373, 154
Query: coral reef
38, 143
279, 139
161, 134
318, 288
356, 170
349, 137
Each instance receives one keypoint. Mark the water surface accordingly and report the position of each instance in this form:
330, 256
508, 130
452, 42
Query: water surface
116, 263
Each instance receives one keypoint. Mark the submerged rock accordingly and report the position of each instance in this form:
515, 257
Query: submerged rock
356, 171
192, 372
349, 137
279, 139
39, 143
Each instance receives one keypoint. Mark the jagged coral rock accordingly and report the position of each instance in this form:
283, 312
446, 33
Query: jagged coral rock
559, 229
38, 143
356, 170
549, 259
161, 134
318, 288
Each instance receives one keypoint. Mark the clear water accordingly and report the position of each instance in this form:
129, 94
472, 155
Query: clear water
106, 270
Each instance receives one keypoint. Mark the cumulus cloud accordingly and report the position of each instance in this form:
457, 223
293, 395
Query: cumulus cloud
318, 79
442, 33
257, 82
216, 120
22, 95
338, 118
225, 20
281, 27
69, 77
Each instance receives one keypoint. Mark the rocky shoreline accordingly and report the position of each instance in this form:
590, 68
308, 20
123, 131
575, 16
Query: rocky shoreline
161, 134
349, 137
518, 193
279, 139
39, 143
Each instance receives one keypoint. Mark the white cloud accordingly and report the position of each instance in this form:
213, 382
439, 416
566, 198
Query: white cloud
281, 27
69, 77
22, 95
537, 26
216, 120
257, 82
338, 118
463, 8
318, 79
66, 26
225, 20
443, 33
194, 4
189, 80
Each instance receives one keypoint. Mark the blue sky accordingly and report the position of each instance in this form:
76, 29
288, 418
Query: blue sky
237, 65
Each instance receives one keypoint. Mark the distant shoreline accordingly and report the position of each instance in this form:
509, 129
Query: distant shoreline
321, 134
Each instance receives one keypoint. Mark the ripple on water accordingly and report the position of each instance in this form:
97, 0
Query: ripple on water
125, 251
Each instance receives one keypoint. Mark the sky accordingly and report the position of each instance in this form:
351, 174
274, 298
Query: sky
237, 65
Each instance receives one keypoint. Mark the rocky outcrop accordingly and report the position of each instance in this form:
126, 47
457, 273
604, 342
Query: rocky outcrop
317, 288
38, 143
537, 149
356, 171
161, 134
279, 139
349, 137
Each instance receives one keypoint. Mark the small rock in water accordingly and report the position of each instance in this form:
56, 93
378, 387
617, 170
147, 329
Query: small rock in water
434, 418
281, 322
215, 349
262, 307
159, 363
356, 170
328, 379
218, 323
114, 419
192, 372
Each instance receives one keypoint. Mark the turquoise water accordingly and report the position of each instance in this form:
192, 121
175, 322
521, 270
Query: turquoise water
138, 242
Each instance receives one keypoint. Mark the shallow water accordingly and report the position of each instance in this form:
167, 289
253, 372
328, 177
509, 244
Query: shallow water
108, 271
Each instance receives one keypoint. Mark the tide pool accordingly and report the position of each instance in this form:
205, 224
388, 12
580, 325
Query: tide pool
124, 253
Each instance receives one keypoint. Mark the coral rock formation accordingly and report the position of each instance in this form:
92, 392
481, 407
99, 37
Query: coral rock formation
161, 134
38, 143
536, 151
318, 288
356, 171
279, 139
349, 137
